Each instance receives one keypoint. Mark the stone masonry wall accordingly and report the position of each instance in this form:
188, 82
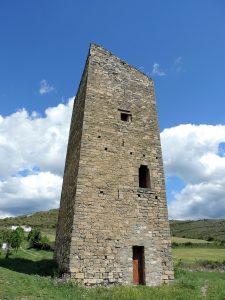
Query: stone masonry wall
66, 210
101, 192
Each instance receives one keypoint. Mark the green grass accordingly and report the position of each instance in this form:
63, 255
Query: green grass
188, 285
31, 274
180, 240
195, 254
50, 233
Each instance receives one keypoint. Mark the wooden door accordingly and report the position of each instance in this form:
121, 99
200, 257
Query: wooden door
138, 265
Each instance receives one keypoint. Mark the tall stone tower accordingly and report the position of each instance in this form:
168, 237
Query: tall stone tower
113, 225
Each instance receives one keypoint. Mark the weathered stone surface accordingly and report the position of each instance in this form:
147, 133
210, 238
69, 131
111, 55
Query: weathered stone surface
103, 211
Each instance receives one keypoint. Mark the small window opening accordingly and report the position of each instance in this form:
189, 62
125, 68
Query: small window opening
131, 153
156, 157
125, 117
101, 192
156, 197
139, 195
99, 137
123, 143
106, 148
143, 155
144, 177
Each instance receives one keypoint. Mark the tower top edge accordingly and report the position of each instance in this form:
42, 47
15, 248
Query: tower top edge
94, 46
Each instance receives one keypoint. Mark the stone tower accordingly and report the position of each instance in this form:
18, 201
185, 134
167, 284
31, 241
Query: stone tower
113, 225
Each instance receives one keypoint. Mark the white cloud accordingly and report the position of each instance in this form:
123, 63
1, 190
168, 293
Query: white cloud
35, 147
157, 70
178, 64
197, 160
20, 195
45, 88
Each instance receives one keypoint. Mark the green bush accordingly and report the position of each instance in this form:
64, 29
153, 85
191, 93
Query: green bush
188, 244
174, 244
34, 237
37, 241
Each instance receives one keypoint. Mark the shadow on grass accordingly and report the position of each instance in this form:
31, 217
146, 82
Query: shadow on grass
44, 267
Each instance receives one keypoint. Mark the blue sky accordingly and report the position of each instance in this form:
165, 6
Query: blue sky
180, 44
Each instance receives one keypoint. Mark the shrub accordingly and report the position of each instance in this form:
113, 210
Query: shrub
222, 243
174, 244
37, 241
188, 244
34, 237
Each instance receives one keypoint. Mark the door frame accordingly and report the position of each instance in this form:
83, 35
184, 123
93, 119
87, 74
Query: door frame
138, 258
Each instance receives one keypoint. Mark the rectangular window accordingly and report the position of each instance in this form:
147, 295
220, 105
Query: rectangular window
138, 265
144, 177
125, 117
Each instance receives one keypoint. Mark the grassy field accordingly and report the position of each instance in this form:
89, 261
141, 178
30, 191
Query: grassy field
195, 254
187, 286
180, 240
50, 233
31, 274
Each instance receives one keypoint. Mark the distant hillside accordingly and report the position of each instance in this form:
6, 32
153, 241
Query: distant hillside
207, 229
201, 229
44, 219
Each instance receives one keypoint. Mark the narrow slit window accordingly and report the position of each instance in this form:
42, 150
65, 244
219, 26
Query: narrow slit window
144, 177
125, 117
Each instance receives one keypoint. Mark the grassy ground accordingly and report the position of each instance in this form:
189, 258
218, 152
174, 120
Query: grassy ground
31, 274
181, 240
195, 285
195, 254
50, 234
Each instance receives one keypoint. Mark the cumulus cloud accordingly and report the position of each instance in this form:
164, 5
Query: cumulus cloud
20, 195
198, 160
32, 151
45, 88
156, 70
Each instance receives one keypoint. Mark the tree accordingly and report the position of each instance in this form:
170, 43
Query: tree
1, 239
4, 236
34, 237
16, 239
20, 230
